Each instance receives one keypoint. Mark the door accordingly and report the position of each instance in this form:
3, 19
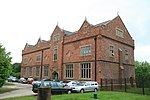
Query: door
55, 75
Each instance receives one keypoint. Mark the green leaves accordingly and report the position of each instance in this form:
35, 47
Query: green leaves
5, 65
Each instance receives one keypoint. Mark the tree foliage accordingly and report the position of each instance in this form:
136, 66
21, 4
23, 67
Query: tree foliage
5, 65
142, 69
16, 70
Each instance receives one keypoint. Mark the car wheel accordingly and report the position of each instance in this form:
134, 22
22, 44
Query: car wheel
95, 90
69, 91
82, 91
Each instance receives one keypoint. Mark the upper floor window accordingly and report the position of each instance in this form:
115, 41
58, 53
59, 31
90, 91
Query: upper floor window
111, 49
119, 32
55, 52
25, 61
38, 58
85, 50
69, 70
56, 37
126, 55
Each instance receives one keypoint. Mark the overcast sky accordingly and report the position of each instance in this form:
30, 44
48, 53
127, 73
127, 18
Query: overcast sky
23, 21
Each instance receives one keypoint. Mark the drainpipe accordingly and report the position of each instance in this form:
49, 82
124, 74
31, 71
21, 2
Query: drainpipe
41, 66
95, 40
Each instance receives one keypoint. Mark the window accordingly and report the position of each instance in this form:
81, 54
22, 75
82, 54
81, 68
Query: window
37, 71
119, 32
85, 29
25, 60
111, 48
24, 71
86, 50
38, 58
55, 53
126, 55
85, 69
69, 70
56, 37
45, 70
30, 71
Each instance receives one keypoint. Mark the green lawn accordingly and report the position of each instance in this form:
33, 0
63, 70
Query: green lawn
8, 84
3, 90
103, 95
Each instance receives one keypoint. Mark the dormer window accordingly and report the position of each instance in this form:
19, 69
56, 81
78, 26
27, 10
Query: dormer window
119, 32
56, 37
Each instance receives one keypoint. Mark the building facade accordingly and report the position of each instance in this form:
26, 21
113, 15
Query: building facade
105, 50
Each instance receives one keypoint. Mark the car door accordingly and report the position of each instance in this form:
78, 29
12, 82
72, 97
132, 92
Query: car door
87, 87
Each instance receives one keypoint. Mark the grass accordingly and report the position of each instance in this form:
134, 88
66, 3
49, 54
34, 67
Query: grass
8, 84
102, 95
3, 90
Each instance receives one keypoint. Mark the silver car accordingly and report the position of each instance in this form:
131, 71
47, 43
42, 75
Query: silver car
86, 87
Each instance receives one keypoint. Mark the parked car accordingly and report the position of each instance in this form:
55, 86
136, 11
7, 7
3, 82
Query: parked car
12, 79
69, 83
86, 87
56, 87
22, 80
30, 80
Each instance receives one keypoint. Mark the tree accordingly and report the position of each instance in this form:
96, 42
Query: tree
16, 70
142, 69
5, 65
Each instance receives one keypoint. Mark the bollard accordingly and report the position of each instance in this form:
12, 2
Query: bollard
44, 93
95, 95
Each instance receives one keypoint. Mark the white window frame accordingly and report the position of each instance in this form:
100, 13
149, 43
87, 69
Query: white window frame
55, 59
69, 71
119, 33
84, 51
56, 37
86, 72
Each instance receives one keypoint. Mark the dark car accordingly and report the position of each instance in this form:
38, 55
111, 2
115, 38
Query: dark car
56, 87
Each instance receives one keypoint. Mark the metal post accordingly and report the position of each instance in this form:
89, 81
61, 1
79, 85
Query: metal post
101, 83
111, 81
143, 85
125, 84
95, 39
41, 65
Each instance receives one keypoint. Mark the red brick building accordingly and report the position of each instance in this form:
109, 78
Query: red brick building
71, 55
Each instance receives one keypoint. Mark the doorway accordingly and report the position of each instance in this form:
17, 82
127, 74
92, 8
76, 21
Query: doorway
55, 75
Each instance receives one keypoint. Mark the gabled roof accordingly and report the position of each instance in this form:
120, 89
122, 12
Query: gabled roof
103, 23
66, 33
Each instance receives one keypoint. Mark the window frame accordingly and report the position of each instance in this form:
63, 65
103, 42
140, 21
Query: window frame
69, 68
111, 51
84, 51
46, 70
86, 72
56, 37
119, 33
55, 57
38, 59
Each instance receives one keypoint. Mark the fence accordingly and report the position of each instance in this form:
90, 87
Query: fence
126, 85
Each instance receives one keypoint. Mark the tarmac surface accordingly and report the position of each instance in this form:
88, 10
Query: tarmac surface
22, 90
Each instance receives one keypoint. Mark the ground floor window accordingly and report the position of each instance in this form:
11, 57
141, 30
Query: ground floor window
45, 70
24, 71
85, 70
30, 71
37, 71
69, 71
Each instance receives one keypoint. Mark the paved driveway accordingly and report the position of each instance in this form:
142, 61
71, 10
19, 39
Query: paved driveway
23, 90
